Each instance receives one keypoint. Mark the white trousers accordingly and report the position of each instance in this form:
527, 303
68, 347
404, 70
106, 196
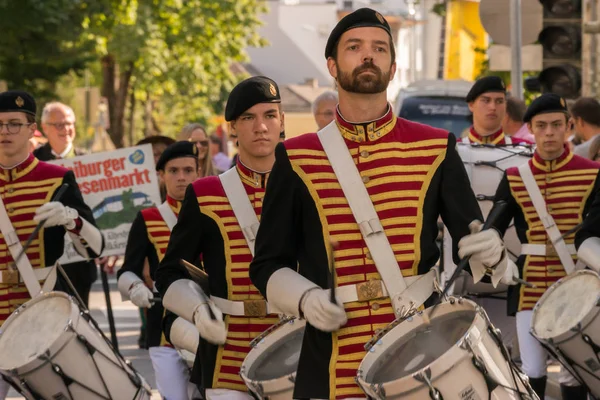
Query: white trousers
533, 354
227, 394
172, 374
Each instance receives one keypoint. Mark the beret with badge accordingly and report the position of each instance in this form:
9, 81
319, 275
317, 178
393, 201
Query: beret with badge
485, 85
363, 17
248, 93
546, 103
17, 100
177, 150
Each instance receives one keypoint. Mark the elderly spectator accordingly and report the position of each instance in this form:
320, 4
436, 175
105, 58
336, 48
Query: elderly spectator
58, 124
323, 108
586, 116
512, 124
196, 134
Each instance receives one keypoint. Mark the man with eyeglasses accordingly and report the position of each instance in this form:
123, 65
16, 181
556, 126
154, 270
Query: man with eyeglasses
27, 189
58, 124
323, 108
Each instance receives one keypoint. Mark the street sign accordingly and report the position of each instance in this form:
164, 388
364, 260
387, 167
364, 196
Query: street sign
495, 18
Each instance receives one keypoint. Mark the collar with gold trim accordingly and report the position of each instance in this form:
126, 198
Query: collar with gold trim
15, 172
250, 176
552, 165
174, 204
494, 138
369, 131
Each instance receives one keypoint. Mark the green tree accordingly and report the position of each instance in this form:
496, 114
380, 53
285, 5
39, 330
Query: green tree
177, 51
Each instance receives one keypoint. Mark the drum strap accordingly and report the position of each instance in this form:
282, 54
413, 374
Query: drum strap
242, 208
167, 215
366, 216
14, 246
551, 229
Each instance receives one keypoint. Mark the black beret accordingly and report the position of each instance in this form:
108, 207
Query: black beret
248, 93
16, 100
360, 18
484, 85
546, 103
154, 139
177, 150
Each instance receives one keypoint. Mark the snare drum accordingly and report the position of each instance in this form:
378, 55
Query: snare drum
565, 319
458, 355
51, 351
269, 369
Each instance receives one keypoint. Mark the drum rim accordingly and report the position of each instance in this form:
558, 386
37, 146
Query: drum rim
441, 365
55, 347
568, 334
279, 383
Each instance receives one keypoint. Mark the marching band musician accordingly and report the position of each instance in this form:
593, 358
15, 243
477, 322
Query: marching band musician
217, 223
410, 172
147, 242
27, 188
546, 197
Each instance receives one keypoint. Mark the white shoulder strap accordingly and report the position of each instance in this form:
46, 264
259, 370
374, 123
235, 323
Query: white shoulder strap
363, 211
540, 207
507, 139
15, 248
167, 215
242, 208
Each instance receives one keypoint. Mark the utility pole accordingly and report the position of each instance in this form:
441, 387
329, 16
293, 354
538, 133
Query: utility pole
516, 73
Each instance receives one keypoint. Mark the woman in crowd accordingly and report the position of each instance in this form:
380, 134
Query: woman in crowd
196, 133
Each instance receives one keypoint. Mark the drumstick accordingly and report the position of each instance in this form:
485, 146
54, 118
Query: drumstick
57, 195
492, 217
331, 277
576, 228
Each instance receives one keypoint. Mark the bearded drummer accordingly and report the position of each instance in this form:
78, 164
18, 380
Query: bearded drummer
217, 225
411, 174
27, 187
547, 197
147, 242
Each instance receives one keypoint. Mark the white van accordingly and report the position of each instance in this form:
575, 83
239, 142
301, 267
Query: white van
439, 103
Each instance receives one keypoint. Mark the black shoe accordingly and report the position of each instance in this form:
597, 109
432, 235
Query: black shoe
539, 386
142, 342
573, 392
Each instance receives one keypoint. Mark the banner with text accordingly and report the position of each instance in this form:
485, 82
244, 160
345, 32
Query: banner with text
115, 185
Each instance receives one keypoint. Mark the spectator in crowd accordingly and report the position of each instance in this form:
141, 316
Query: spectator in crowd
512, 124
323, 108
594, 153
36, 141
58, 124
586, 116
220, 160
196, 134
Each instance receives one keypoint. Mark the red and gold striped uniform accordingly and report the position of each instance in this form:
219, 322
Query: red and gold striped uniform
25, 188
566, 184
208, 229
401, 165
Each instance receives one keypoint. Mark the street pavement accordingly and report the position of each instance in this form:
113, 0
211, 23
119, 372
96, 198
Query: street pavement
127, 322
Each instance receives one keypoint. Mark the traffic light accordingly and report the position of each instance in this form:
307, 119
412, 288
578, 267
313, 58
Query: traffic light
561, 39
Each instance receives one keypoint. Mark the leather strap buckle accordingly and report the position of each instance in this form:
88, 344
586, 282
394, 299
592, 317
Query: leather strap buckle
370, 290
10, 277
255, 308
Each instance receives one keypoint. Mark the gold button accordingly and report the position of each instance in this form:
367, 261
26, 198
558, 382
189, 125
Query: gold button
10, 190
364, 154
548, 179
368, 255
365, 179
378, 331
550, 208
375, 306
10, 210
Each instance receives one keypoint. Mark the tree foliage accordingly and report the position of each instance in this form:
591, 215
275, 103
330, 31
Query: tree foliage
176, 54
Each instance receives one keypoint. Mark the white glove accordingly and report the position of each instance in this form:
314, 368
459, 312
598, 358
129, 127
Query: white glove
485, 248
214, 331
140, 295
509, 274
589, 253
321, 313
56, 214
